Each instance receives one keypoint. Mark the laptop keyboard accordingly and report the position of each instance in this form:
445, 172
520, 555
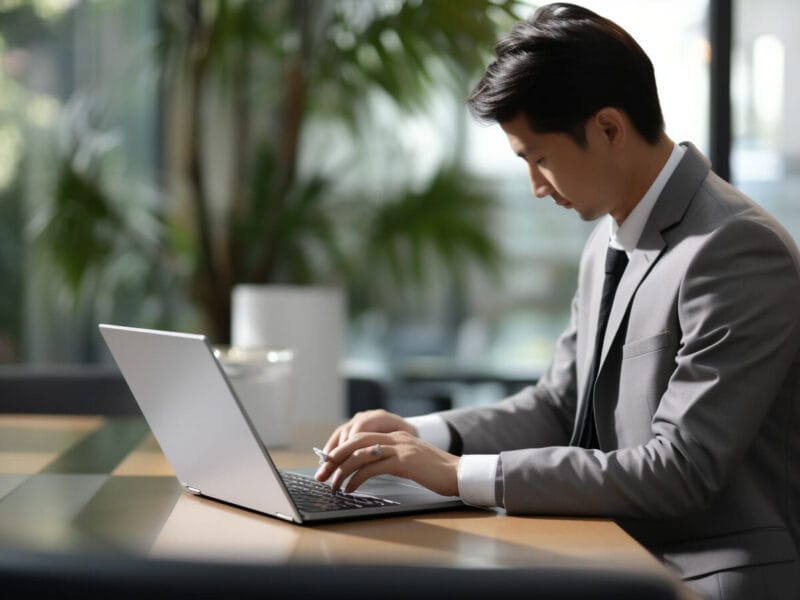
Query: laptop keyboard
311, 495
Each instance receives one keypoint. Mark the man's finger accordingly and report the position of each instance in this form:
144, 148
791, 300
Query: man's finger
338, 438
333, 440
358, 451
358, 440
373, 469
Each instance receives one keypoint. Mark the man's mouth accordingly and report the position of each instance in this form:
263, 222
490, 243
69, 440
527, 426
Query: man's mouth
562, 202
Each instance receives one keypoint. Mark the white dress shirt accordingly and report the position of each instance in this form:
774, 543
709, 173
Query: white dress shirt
477, 473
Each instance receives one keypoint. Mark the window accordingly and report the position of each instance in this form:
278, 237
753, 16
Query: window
765, 153
76, 83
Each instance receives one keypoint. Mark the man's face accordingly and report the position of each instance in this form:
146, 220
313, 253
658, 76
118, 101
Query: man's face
575, 177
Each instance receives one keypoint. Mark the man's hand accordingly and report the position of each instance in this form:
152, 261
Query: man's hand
377, 421
398, 453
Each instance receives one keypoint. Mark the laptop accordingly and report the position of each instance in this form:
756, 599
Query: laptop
214, 449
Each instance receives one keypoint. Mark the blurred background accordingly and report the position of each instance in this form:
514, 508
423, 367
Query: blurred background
154, 154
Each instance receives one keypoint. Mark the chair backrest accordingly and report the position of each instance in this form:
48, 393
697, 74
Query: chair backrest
32, 575
65, 389
100, 390
364, 394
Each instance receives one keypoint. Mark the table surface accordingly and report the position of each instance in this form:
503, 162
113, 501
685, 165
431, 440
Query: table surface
78, 483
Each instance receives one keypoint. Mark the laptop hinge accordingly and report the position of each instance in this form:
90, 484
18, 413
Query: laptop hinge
284, 517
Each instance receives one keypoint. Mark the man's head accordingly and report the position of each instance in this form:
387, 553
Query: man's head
576, 97
560, 67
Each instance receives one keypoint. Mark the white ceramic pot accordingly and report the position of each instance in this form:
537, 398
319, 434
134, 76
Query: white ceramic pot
309, 321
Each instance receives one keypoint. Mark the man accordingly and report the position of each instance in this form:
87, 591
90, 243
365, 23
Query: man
673, 400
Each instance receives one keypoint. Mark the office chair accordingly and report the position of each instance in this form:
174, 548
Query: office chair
99, 390
65, 389
364, 394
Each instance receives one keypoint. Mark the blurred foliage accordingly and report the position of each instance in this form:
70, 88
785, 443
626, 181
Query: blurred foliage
106, 232
243, 84
11, 261
13, 102
85, 227
445, 222
276, 67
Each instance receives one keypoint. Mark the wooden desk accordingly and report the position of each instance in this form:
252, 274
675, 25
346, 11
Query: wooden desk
92, 484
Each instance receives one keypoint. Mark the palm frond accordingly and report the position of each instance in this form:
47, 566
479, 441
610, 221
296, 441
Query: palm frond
447, 224
82, 226
402, 53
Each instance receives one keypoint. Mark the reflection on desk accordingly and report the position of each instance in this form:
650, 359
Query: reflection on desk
91, 484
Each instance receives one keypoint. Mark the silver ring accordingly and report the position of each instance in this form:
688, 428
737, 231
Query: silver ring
377, 450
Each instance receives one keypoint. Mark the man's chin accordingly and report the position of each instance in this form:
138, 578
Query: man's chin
583, 214
588, 217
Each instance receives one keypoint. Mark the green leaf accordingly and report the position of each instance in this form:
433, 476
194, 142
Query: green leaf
446, 224
81, 230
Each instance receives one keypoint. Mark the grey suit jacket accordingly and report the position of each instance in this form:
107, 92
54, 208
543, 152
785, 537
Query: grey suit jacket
697, 400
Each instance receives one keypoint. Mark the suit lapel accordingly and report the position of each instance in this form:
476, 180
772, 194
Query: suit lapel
641, 262
668, 211
596, 275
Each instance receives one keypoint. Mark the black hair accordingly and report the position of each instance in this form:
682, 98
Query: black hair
561, 66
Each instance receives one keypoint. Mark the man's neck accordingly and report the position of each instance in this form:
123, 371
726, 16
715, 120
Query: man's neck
646, 162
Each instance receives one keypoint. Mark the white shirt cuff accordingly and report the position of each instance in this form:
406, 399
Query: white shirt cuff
432, 429
477, 474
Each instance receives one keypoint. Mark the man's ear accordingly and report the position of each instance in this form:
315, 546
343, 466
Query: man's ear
612, 125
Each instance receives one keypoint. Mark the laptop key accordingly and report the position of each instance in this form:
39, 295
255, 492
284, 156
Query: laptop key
311, 495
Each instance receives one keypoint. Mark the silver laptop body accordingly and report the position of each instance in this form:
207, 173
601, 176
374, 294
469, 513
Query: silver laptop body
208, 438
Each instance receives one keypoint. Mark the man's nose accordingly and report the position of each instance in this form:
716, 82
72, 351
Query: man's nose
539, 184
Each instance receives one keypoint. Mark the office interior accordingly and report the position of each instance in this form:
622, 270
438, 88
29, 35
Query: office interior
113, 133
83, 88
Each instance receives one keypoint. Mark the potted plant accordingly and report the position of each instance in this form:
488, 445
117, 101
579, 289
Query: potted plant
247, 87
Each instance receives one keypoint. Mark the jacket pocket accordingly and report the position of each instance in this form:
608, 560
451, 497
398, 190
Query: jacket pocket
646, 345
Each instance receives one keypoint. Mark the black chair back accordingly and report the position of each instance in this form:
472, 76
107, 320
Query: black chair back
32, 575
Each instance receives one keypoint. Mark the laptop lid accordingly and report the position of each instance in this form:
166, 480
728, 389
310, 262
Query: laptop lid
207, 437
196, 418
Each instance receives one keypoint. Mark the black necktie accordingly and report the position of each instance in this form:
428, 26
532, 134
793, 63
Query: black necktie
616, 261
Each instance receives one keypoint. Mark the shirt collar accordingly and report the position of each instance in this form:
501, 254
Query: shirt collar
626, 236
